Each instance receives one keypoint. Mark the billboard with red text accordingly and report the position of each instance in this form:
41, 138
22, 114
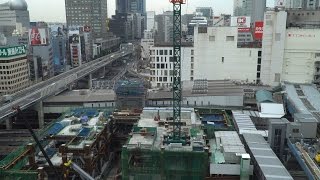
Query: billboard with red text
38, 36
258, 30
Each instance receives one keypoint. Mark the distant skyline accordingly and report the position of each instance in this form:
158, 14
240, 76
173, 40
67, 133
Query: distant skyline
54, 10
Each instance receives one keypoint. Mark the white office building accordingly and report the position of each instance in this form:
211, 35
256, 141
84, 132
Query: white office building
289, 54
217, 56
161, 67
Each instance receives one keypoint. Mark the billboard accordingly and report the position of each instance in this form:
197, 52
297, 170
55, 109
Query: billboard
258, 30
241, 21
7, 52
38, 36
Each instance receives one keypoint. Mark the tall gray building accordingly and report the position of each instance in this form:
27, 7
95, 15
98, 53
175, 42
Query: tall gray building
253, 8
131, 6
164, 30
206, 11
14, 15
93, 13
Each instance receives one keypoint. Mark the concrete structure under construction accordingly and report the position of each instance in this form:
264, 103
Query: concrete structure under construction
80, 136
147, 155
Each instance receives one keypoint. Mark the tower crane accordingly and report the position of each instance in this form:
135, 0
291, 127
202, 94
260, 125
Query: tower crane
176, 87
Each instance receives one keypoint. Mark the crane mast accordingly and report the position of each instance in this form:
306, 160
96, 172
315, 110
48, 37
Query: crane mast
176, 87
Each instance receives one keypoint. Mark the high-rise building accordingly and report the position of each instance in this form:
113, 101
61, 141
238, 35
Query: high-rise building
92, 13
14, 16
131, 6
206, 11
41, 50
150, 20
14, 70
59, 47
253, 8
164, 24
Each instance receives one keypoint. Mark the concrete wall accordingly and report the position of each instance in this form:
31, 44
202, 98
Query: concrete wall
274, 34
302, 50
217, 58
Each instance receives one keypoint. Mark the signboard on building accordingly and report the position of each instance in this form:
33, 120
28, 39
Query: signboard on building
6, 52
258, 30
244, 29
240, 21
38, 36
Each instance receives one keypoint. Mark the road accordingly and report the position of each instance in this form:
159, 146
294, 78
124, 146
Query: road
56, 84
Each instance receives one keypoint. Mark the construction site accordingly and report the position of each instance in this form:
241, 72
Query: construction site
119, 128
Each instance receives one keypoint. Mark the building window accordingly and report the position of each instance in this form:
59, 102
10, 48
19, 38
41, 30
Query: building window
192, 52
222, 59
230, 38
192, 59
278, 37
259, 53
161, 52
192, 66
277, 77
259, 60
259, 68
212, 38
295, 130
165, 52
202, 30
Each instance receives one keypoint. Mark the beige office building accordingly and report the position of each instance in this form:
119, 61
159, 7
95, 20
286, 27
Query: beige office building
14, 73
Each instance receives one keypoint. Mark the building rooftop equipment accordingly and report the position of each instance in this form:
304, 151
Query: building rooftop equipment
270, 167
227, 152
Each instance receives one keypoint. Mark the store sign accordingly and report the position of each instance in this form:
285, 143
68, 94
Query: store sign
301, 35
241, 21
243, 29
12, 51
258, 30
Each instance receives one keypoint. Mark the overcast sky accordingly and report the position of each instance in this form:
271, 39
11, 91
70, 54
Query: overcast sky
54, 11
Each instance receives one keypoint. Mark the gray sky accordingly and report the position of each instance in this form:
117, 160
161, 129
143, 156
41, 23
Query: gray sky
53, 10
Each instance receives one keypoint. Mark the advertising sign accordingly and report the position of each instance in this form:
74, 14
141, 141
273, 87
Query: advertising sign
38, 36
7, 52
241, 21
74, 39
243, 29
258, 30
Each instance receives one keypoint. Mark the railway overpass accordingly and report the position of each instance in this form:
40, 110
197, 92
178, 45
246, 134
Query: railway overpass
36, 93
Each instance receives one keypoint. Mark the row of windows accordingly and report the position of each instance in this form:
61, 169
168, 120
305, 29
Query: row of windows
13, 82
13, 71
228, 38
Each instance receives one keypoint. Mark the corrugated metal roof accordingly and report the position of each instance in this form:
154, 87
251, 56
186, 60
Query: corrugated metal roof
264, 96
270, 165
243, 121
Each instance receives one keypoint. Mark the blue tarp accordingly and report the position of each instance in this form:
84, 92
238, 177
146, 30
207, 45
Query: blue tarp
57, 127
84, 132
213, 118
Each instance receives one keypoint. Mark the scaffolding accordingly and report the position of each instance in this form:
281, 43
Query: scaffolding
26, 162
145, 164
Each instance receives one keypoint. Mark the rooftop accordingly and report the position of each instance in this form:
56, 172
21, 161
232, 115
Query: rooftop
270, 165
